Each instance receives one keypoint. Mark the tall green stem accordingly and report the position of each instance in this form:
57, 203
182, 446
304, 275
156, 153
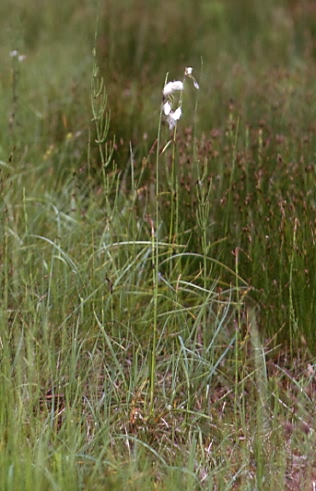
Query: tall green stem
155, 264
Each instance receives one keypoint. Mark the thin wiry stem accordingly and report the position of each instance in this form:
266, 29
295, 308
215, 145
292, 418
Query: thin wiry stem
155, 256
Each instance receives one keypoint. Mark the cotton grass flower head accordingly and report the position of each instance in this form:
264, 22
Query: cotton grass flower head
167, 108
171, 87
173, 116
188, 73
15, 54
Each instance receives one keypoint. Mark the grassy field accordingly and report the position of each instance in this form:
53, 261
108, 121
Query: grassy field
158, 288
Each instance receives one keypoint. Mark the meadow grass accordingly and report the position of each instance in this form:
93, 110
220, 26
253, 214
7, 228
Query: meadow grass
157, 287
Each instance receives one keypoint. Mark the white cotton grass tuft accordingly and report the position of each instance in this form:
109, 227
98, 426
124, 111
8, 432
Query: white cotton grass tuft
171, 87
188, 73
167, 107
172, 117
15, 54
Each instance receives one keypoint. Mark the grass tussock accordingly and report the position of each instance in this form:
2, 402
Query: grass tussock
157, 285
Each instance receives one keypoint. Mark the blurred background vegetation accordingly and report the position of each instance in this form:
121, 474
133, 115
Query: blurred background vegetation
257, 56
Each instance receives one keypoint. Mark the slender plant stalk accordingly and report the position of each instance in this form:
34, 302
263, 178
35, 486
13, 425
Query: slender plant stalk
234, 139
203, 192
174, 213
101, 119
237, 337
292, 319
155, 256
